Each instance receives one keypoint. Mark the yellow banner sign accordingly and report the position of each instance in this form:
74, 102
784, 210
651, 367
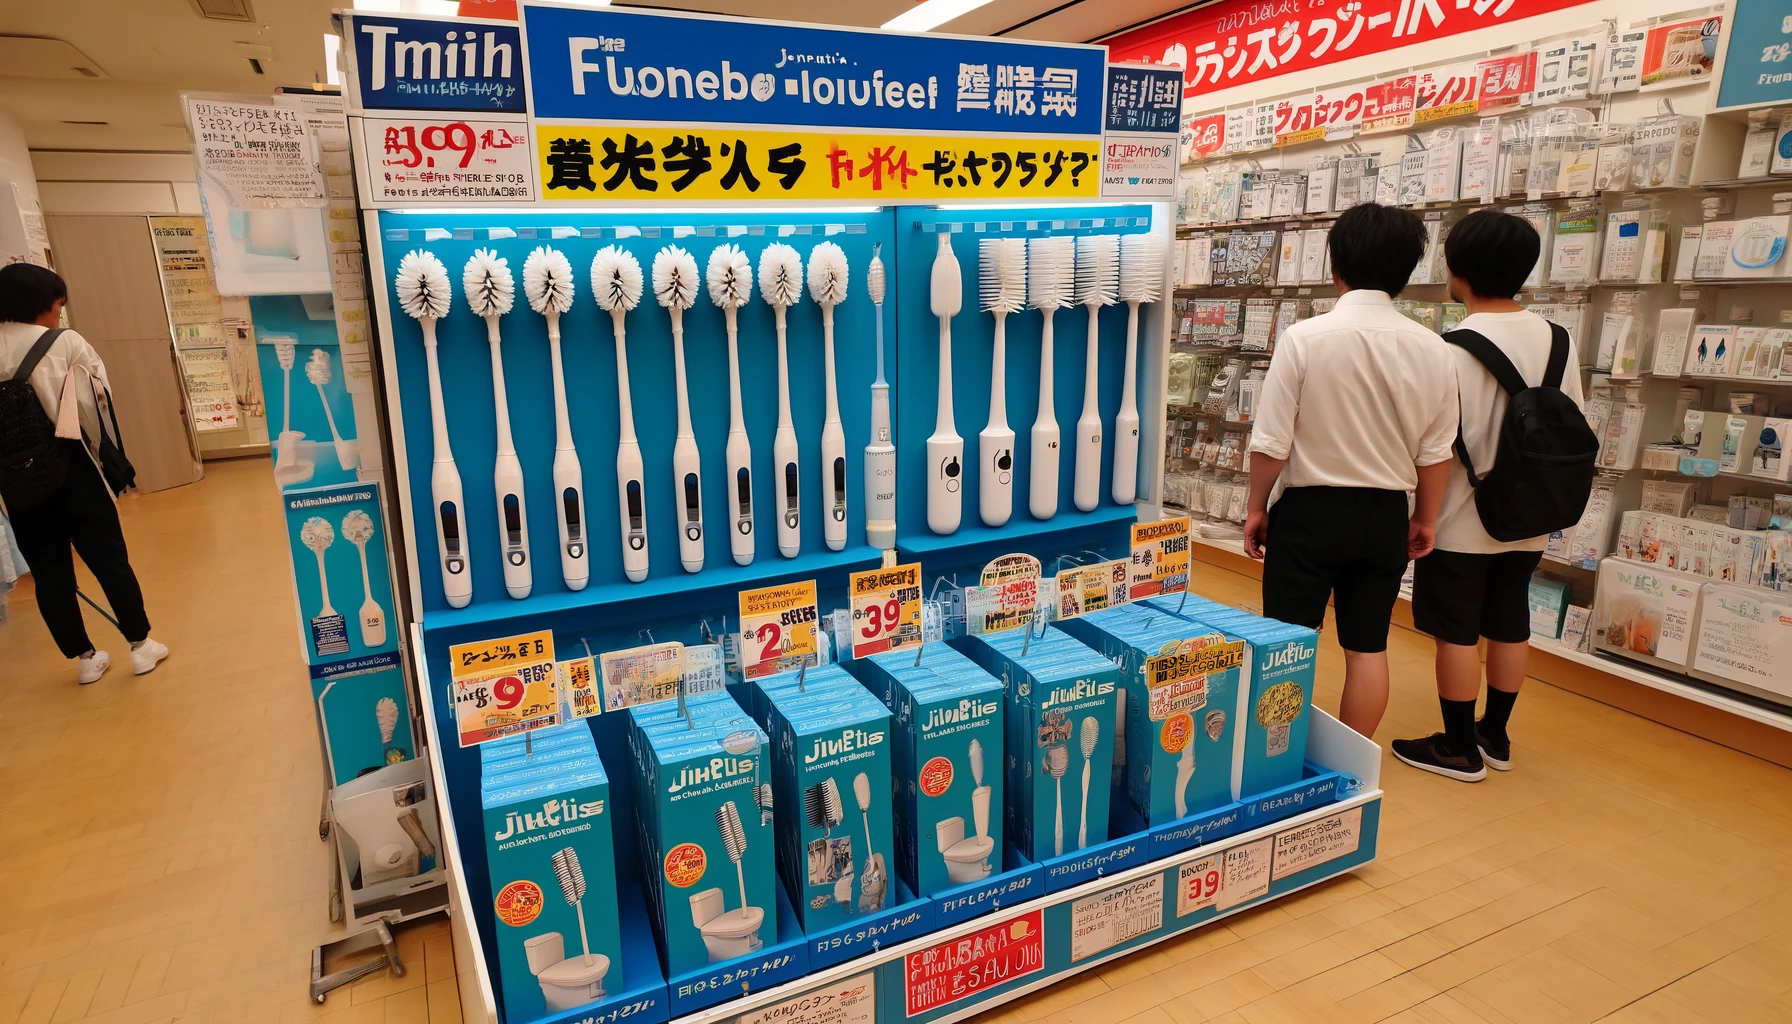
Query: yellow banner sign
707, 163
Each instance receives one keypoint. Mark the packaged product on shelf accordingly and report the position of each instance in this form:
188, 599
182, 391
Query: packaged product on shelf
1617, 330
1548, 601
1312, 256
1256, 203
1571, 317
1673, 327
1750, 513
1757, 152
1431, 269
1289, 313
1708, 351
1611, 169
1767, 462
1451, 314
1324, 304
1782, 147
1661, 150
1322, 185
1543, 220
1748, 350
1779, 350
1220, 198
1713, 258
1289, 195
1580, 162
1480, 161
1686, 257
1740, 436
1592, 536
1259, 320
1443, 165
1574, 627
1250, 258
1515, 157
1667, 497
1744, 641
1288, 258
1181, 380
1757, 247
1635, 245
1198, 266
1387, 180
1412, 172
1356, 182
1575, 245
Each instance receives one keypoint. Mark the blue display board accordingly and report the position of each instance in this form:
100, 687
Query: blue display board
1758, 59
437, 64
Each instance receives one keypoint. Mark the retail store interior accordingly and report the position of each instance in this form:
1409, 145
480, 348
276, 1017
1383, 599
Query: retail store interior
924, 726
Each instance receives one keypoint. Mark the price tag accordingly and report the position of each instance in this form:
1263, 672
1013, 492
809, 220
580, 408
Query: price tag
886, 609
1009, 568
704, 671
642, 675
1176, 679
1001, 607
504, 687
448, 161
578, 680
777, 631
1198, 885
1091, 588
1160, 555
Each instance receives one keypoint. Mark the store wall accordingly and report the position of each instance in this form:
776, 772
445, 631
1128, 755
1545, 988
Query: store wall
18, 194
82, 181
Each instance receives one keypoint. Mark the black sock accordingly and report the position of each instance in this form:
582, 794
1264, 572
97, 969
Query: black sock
1499, 711
1459, 725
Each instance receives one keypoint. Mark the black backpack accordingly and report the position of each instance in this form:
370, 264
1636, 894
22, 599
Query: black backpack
32, 464
1543, 469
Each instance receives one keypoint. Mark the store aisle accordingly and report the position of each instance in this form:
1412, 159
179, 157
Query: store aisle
161, 842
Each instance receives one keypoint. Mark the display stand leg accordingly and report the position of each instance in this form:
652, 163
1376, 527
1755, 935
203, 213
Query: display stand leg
380, 934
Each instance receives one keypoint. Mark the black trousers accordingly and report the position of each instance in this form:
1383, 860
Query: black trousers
1346, 545
81, 516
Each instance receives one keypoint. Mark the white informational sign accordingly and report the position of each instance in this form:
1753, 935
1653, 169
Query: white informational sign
1141, 138
258, 154
1198, 884
851, 1001
1245, 874
209, 391
1107, 919
443, 160
1745, 635
1326, 839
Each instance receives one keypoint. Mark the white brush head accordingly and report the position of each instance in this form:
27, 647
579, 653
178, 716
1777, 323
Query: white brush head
734, 837
781, 275
946, 290
317, 534
285, 351
977, 762
875, 283
827, 274
547, 281
616, 279
861, 790
423, 288
1057, 760
490, 288
1097, 269
1091, 735
1141, 268
357, 527
1002, 274
730, 277
1051, 269
385, 711
317, 368
572, 877
674, 278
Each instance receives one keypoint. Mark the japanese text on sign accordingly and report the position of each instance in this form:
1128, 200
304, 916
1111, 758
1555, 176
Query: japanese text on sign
258, 154
1159, 561
777, 629
852, 1001
1092, 588
504, 687
1144, 99
578, 680
1326, 839
449, 161
886, 609
1105, 920
642, 675
1388, 104
953, 971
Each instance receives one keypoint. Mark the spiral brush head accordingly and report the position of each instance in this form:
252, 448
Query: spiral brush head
977, 762
1051, 269
730, 277
317, 534
490, 288
827, 274
821, 805
861, 790
1057, 760
615, 279
547, 281
317, 368
572, 877
762, 797
423, 289
386, 713
1002, 274
875, 283
357, 527
734, 837
1091, 735
781, 275
674, 278
1097, 269
1141, 269
285, 351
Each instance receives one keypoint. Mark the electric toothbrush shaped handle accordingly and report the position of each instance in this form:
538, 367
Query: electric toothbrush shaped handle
740, 458
323, 585
569, 477
784, 454
346, 456
445, 490
631, 489
945, 450
373, 617
1126, 422
1086, 491
1082, 827
880, 458
687, 469
507, 483
1058, 828
995, 445
833, 450
1042, 500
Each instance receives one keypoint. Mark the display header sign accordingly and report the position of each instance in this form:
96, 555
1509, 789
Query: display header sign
430, 64
618, 65
1758, 60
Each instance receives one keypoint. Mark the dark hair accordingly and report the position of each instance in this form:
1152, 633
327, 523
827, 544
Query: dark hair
27, 291
1376, 247
1494, 252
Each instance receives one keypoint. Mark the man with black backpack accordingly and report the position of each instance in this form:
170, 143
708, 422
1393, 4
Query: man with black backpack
1524, 467
51, 485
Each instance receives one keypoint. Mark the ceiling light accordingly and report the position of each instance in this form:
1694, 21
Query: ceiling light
931, 14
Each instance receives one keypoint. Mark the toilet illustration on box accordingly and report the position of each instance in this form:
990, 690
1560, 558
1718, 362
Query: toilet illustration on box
567, 982
967, 859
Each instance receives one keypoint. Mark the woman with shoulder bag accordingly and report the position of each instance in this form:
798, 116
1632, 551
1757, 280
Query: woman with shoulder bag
50, 478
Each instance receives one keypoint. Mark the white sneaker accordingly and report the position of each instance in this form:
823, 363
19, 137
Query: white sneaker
146, 655
94, 665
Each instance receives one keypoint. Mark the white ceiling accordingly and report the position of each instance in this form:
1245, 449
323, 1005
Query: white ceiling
151, 51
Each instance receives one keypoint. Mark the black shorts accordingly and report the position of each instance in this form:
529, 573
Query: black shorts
1347, 541
1460, 598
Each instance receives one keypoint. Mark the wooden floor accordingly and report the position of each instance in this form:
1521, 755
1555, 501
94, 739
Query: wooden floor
162, 863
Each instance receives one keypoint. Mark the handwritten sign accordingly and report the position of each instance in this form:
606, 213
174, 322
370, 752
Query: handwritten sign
777, 629
957, 970
1160, 558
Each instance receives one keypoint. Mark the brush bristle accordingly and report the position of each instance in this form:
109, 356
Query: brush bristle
827, 274
1002, 274
615, 279
385, 711
734, 837
1097, 269
674, 278
423, 288
781, 275
814, 809
861, 790
572, 877
1057, 760
1091, 736
317, 368
830, 794
357, 527
285, 351
490, 288
875, 283
1141, 268
730, 277
547, 281
317, 533
1051, 269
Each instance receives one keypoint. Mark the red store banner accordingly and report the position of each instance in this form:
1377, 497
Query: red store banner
960, 968
1237, 42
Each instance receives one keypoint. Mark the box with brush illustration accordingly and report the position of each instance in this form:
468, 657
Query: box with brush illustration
705, 833
336, 536
311, 413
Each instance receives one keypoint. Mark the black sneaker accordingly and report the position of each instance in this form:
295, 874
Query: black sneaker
1497, 755
1430, 755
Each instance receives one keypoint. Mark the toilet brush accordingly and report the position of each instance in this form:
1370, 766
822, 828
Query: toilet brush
675, 286
317, 534
572, 886
734, 840
1002, 280
1051, 268
317, 371
1057, 762
827, 286
861, 788
1091, 734
1097, 282
424, 294
781, 283
1141, 281
490, 292
616, 282
821, 805
730, 276
548, 284
945, 449
880, 454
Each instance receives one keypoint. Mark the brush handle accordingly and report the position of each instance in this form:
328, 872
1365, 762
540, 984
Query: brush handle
631, 484
323, 585
833, 449
1126, 422
1042, 499
740, 456
687, 469
1086, 492
945, 450
584, 939
507, 483
1082, 828
1181, 798
346, 454
569, 477
880, 458
445, 489
372, 616
784, 456
1058, 828
995, 444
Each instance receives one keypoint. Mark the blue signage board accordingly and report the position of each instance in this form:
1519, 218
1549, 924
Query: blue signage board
1144, 99
437, 64
1758, 61
636, 66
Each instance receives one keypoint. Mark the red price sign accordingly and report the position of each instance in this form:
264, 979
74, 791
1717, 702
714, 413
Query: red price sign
886, 609
957, 970
1198, 885
505, 687
450, 160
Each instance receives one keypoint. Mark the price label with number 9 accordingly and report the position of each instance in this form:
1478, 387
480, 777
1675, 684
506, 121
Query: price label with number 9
886, 609
504, 687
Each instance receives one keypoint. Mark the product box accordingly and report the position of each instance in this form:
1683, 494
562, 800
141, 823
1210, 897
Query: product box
1443, 165
1757, 153
1713, 258
1645, 612
1661, 149
1548, 605
1757, 247
1708, 352
1575, 246
1782, 147
1767, 462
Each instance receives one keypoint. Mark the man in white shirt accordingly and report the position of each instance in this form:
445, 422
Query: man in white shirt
1358, 412
1473, 586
